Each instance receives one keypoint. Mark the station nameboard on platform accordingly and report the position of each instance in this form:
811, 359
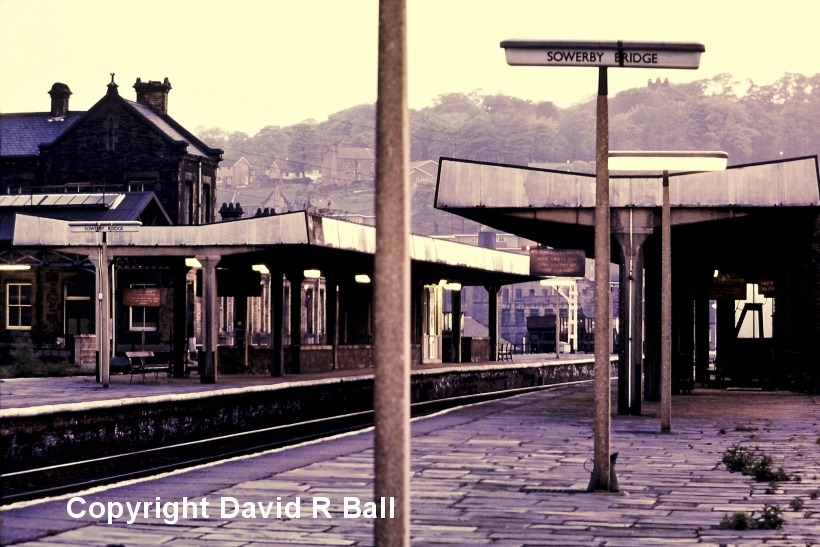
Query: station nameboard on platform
557, 262
146, 297
108, 226
727, 285
684, 55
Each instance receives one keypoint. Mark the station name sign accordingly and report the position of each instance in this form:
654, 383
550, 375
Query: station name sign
124, 226
603, 54
557, 262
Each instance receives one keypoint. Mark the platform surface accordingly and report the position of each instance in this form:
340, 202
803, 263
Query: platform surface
507, 472
41, 392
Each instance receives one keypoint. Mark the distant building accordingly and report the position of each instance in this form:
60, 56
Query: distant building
289, 170
237, 175
117, 145
666, 90
423, 172
343, 165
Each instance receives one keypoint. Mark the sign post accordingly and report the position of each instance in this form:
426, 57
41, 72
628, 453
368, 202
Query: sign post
103, 292
618, 54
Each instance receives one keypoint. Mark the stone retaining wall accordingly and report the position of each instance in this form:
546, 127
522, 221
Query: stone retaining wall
99, 429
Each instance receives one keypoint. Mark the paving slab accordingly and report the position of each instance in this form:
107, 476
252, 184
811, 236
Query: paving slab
505, 473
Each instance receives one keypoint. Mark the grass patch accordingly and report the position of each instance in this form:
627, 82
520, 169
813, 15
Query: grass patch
771, 518
24, 363
796, 504
745, 428
40, 370
756, 464
738, 521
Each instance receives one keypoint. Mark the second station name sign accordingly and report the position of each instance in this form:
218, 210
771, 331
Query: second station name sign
684, 55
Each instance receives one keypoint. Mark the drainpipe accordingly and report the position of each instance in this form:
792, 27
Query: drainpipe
199, 194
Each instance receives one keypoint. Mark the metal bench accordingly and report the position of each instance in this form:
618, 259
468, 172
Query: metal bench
140, 367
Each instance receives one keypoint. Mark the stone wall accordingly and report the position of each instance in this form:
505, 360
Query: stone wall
96, 430
85, 351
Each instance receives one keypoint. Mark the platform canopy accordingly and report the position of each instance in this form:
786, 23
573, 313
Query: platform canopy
557, 208
295, 238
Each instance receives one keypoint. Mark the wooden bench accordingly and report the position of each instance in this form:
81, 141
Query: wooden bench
505, 352
139, 366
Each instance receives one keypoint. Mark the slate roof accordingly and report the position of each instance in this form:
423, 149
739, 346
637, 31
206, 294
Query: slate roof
93, 207
88, 207
349, 153
21, 134
152, 116
287, 166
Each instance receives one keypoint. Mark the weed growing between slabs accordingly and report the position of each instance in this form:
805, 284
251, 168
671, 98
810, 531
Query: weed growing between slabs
753, 463
771, 518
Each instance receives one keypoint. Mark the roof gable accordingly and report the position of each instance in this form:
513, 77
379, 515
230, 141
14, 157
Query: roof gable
162, 125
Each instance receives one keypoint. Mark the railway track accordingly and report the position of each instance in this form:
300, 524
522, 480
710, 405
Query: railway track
76, 476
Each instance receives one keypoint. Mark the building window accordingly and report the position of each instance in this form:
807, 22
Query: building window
111, 139
79, 309
506, 295
141, 185
532, 292
518, 294
18, 306
519, 317
206, 199
143, 318
505, 317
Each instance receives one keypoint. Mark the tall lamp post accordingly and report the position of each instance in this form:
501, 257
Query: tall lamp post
688, 162
683, 55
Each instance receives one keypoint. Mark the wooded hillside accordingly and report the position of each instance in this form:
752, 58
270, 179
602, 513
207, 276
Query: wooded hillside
750, 122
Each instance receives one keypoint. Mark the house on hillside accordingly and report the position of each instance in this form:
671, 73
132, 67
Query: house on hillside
423, 172
237, 175
290, 170
345, 165
666, 90
284, 170
118, 145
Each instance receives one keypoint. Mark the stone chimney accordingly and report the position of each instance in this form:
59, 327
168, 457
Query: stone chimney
59, 100
153, 94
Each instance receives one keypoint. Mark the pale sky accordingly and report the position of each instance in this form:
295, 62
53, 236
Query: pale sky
244, 64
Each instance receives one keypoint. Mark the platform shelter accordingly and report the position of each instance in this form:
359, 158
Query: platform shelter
155, 274
751, 228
